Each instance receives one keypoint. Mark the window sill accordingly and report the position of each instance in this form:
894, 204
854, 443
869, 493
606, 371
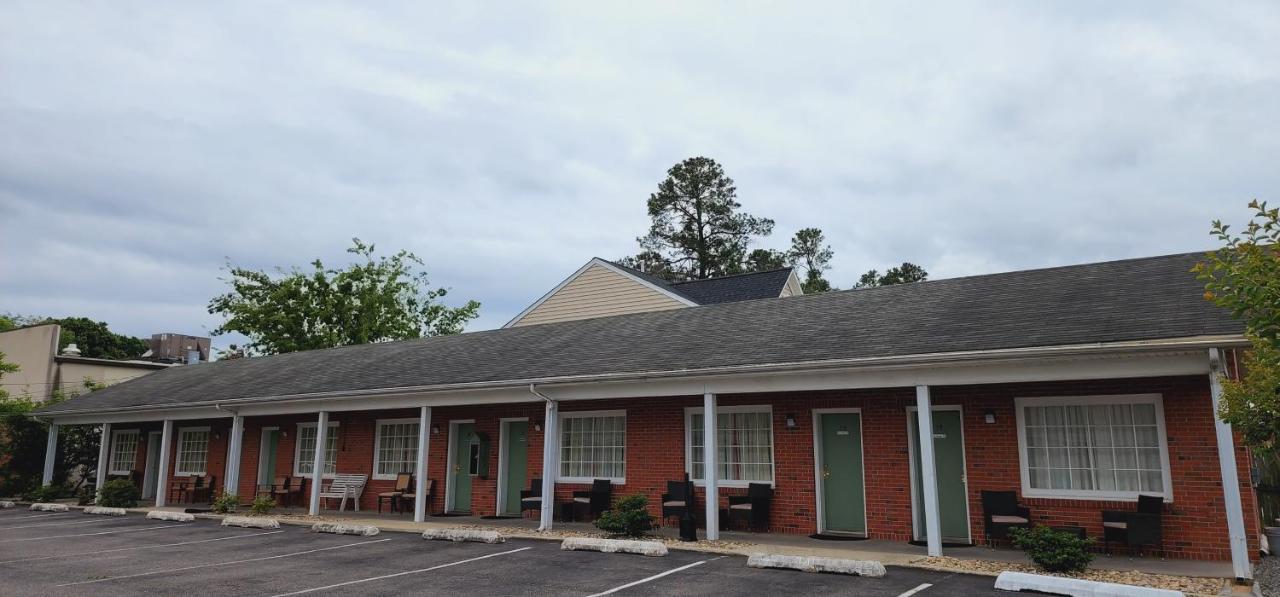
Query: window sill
119, 473
190, 474
1091, 496
589, 480
731, 484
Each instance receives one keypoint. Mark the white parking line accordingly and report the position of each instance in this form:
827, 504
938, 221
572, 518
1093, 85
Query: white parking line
406, 573
36, 516
918, 589
102, 551
655, 577
167, 526
61, 524
231, 563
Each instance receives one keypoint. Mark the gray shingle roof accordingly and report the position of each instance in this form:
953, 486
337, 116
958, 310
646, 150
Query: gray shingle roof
725, 289
1137, 299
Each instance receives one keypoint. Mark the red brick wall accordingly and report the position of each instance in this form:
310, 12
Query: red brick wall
1195, 523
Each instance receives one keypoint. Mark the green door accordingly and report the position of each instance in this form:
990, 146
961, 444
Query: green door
948, 455
843, 508
465, 452
516, 455
267, 457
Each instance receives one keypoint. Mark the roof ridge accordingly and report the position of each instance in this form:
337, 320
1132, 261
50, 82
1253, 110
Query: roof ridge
767, 271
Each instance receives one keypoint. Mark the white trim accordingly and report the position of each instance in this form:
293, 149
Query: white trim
609, 266
1240, 564
297, 450
819, 457
115, 440
263, 436
1096, 495
689, 411
449, 486
503, 465
964, 462
793, 281
177, 454
587, 414
377, 444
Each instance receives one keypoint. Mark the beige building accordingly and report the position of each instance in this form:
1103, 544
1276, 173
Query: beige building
602, 288
41, 370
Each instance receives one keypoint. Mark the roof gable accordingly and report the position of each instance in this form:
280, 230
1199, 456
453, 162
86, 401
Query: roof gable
599, 289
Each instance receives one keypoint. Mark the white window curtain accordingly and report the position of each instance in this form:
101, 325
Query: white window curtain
744, 446
124, 452
1105, 448
397, 448
593, 447
305, 456
193, 452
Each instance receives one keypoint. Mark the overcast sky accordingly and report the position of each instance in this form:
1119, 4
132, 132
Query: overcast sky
143, 145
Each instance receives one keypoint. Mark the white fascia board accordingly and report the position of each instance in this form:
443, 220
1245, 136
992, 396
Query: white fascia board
794, 282
609, 266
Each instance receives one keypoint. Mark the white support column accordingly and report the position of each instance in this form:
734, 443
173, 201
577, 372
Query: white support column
420, 467
710, 420
928, 472
50, 454
1230, 478
235, 444
550, 463
317, 470
162, 478
104, 455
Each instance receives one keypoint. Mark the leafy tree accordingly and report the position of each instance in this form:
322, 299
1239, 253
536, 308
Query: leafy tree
375, 300
93, 338
696, 227
906, 273
1244, 277
5, 367
23, 441
810, 252
649, 262
763, 260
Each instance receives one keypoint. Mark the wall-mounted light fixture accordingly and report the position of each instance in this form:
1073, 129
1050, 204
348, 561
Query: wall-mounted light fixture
790, 420
989, 416
537, 426
435, 430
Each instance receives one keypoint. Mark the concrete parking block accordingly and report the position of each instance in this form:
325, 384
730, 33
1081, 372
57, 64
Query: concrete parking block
171, 516
338, 528
1022, 581
104, 511
817, 564
644, 548
6, 504
472, 535
251, 522
49, 508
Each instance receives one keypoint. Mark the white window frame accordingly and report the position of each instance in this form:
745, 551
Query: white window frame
177, 454
587, 414
115, 441
688, 443
377, 444
297, 450
1077, 494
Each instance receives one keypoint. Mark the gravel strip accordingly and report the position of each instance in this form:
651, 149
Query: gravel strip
1186, 584
1266, 576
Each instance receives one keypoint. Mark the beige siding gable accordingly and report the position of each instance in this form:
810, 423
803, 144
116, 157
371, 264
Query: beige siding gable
597, 291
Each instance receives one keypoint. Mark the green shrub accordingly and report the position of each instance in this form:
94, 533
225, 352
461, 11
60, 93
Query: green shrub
46, 493
263, 504
226, 502
628, 517
85, 496
119, 493
1053, 551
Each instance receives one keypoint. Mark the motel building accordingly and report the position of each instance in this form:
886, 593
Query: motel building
1077, 388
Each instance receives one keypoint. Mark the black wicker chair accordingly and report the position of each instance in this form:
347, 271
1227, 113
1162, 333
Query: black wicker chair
595, 500
531, 498
1135, 529
1001, 512
678, 500
752, 508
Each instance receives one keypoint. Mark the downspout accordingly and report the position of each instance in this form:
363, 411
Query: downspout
550, 458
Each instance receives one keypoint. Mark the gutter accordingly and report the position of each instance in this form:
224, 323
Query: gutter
903, 361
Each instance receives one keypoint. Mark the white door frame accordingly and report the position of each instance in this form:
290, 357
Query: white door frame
916, 521
262, 453
449, 463
149, 480
819, 456
503, 423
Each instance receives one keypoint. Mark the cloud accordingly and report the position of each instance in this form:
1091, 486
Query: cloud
143, 145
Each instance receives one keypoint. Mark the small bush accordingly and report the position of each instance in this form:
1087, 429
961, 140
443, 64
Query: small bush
85, 496
225, 503
1053, 551
628, 517
262, 504
119, 493
46, 493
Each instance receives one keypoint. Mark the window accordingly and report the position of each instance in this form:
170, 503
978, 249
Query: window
593, 445
744, 444
1107, 447
396, 448
124, 452
304, 453
193, 451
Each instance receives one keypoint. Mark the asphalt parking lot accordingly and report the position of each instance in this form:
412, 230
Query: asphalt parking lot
76, 554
